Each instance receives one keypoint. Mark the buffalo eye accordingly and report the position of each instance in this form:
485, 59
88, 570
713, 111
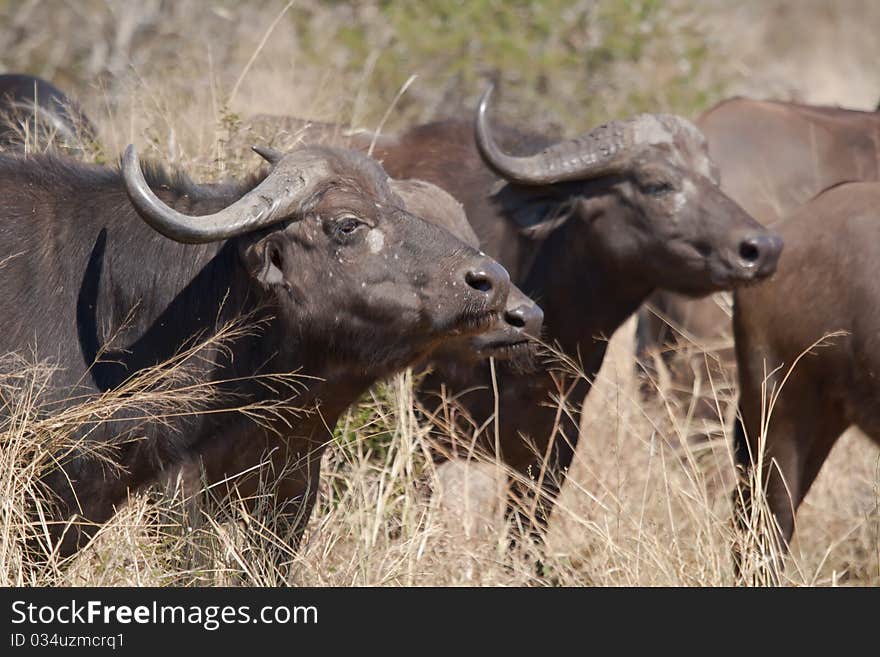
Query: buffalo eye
660, 188
347, 225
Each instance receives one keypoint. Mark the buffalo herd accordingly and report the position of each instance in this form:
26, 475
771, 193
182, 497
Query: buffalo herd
457, 247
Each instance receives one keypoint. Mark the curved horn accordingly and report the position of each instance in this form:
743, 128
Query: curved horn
600, 152
276, 198
271, 156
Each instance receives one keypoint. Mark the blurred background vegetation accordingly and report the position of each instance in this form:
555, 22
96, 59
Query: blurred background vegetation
559, 62
562, 65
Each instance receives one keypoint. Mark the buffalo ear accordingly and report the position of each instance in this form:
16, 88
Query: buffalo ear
536, 212
264, 260
537, 221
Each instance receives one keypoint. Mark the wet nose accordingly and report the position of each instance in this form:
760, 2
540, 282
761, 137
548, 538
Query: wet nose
490, 279
760, 251
525, 317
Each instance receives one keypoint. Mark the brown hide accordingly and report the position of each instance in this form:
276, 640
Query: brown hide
827, 283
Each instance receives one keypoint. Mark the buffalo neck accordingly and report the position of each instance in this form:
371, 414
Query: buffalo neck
573, 277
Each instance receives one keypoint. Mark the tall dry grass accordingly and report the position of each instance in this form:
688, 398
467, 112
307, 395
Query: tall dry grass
642, 505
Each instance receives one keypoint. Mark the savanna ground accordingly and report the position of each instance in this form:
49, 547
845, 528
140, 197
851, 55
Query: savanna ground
643, 505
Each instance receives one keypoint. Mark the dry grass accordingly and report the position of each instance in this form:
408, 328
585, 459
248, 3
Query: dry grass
642, 505
40, 433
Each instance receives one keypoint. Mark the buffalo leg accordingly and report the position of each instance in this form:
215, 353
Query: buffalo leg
800, 433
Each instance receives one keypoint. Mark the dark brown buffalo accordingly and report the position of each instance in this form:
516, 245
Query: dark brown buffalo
799, 389
773, 157
589, 227
508, 337
35, 113
336, 280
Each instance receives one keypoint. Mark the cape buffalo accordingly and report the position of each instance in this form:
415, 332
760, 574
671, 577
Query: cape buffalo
588, 226
32, 110
773, 157
508, 337
104, 277
807, 350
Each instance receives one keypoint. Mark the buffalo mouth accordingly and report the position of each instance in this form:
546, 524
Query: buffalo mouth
728, 276
472, 324
506, 350
715, 278
521, 352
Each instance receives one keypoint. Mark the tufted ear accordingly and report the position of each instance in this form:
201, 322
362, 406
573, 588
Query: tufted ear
537, 220
264, 260
536, 212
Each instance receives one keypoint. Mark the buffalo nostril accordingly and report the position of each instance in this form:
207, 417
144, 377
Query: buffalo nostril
526, 317
749, 250
479, 280
491, 281
516, 317
758, 254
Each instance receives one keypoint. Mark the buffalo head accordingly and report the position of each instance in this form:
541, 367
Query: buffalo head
640, 194
511, 335
341, 258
